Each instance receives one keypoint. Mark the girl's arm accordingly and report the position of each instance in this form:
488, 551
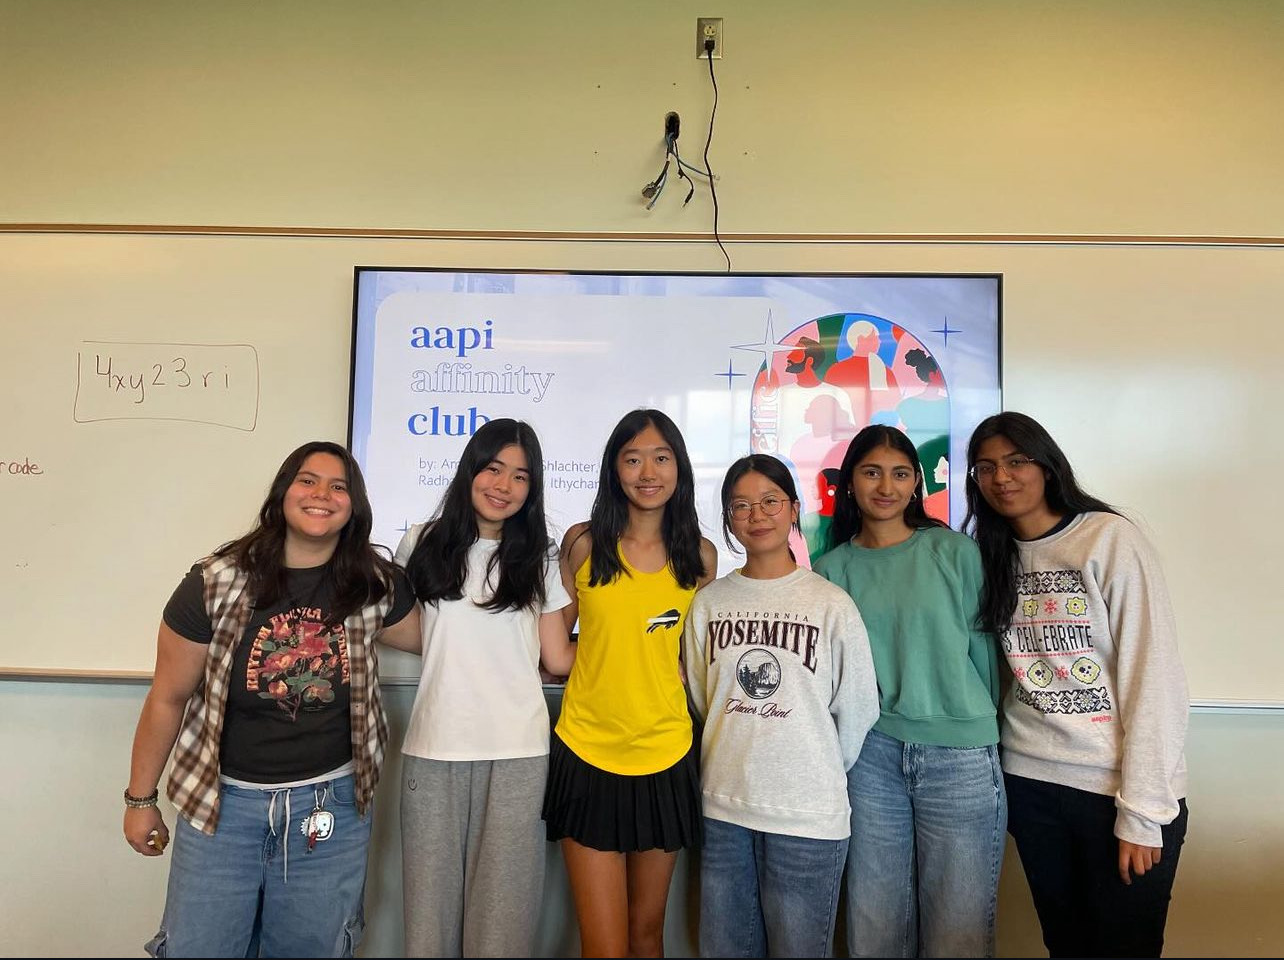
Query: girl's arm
180, 665
1150, 687
575, 550
983, 648
709, 555
709, 558
854, 704
405, 634
556, 652
693, 640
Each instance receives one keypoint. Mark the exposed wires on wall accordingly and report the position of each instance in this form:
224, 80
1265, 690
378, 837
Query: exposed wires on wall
675, 165
672, 162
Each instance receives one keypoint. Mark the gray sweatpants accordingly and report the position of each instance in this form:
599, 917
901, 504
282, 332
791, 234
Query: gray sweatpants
472, 852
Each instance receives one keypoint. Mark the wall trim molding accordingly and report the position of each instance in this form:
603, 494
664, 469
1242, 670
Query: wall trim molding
371, 233
139, 677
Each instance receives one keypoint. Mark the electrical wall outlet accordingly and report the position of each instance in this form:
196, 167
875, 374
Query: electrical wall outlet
709, 28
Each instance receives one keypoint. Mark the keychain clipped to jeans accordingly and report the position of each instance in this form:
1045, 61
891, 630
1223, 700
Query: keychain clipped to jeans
319, 824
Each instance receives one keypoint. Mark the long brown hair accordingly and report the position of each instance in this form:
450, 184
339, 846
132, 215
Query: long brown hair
992, 532
358, 575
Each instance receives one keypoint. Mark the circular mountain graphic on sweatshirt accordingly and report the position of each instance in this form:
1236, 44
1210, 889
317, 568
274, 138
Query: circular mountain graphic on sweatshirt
759, 674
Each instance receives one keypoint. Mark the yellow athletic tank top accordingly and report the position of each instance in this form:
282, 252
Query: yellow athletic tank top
624, 709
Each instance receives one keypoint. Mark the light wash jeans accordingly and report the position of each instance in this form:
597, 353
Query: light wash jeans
927, 842
767, 894
311, 905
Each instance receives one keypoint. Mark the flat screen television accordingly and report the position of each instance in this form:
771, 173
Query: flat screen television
791, 365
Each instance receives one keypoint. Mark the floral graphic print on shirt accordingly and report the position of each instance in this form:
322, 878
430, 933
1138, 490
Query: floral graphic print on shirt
297, 661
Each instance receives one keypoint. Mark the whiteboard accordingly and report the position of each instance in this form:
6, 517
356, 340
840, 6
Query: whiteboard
1154, 366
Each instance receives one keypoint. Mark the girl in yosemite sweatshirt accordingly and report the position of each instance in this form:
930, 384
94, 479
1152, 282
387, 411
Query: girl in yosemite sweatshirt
780, 670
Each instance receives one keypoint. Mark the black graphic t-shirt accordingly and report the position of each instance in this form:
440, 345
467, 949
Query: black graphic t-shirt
287, 714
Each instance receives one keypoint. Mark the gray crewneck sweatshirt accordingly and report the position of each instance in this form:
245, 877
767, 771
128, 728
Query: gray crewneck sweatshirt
781, 671
1099, 700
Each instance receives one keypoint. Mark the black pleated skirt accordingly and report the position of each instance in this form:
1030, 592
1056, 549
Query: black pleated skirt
611, 811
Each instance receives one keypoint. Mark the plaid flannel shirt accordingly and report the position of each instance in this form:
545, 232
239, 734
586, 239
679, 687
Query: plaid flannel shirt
193, 780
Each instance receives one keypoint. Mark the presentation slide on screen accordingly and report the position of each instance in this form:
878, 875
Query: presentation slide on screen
793, 366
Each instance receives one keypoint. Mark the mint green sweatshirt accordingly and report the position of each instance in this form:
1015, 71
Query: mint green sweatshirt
938, 677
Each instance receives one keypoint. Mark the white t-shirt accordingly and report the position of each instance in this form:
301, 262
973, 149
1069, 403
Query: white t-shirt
480, 695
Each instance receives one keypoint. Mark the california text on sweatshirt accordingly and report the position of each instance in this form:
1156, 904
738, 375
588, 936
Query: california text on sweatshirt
781, 671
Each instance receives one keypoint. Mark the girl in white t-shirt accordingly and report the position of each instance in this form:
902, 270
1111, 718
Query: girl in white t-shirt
476, 749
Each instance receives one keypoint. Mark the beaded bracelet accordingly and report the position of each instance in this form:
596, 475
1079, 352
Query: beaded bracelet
138, 803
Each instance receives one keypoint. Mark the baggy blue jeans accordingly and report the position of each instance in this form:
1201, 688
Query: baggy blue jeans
253, 889
767, 894
928, 832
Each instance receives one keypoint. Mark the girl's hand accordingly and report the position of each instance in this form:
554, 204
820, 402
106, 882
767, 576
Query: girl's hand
1136, 859
145, 830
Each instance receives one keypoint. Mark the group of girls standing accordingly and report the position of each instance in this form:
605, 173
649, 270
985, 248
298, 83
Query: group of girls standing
796, 726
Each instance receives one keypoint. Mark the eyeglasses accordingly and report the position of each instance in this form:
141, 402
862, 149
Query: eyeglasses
770, 506
986, 469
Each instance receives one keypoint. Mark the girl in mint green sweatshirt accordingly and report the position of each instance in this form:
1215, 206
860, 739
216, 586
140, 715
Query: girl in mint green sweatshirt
927, 801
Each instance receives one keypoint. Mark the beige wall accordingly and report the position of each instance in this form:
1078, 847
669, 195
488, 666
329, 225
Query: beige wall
987, 116
73, 888
993, 116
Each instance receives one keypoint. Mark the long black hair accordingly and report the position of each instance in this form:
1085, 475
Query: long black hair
992, 531
771, 468
438, 566
610, 514
358, 575
847, 520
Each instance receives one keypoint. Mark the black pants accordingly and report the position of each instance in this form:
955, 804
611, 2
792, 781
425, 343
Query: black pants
1071, 860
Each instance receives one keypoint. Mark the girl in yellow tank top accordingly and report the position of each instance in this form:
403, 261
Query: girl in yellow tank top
625, 709
623, 789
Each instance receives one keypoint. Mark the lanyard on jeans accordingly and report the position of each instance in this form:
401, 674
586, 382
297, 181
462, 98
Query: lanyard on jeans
316, 826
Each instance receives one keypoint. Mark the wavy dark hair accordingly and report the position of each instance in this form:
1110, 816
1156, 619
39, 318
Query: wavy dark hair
610, 514
771, 468
993, 533
358, 575
438, 566
847, 521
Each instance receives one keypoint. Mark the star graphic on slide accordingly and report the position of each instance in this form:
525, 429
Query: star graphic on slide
730, 375
769, 346
946, 330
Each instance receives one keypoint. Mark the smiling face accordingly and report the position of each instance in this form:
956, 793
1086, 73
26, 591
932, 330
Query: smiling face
1015, 488
647, 470
316, 504
882, 483
500, 490
762, 533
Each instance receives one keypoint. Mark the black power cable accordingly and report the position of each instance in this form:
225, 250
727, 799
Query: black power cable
713, 190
